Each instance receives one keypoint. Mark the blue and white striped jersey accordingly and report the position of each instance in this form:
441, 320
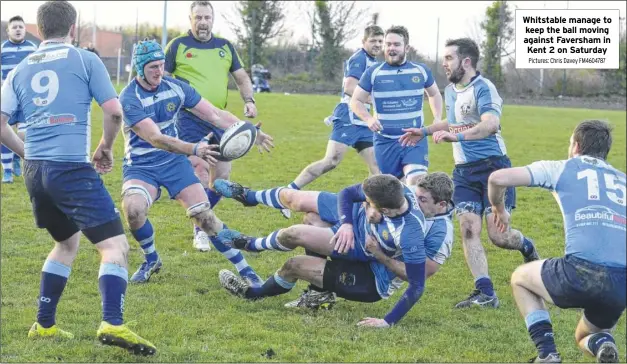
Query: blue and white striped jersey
397, 94
592, 195
162, 106
354, 67
11, 54
464, 108
54, 87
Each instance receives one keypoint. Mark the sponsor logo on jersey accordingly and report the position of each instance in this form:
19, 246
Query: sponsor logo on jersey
597, 212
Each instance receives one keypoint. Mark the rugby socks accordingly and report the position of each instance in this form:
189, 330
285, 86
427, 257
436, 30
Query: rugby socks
54, 276
270, 242
214, 198
112, 280
596, 340
266, 197
274, 286
7, 161
145, 235
293, 186
235, 257
484, 284
541, 332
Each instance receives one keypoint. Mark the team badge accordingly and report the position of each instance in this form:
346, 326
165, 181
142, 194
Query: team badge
385, 235
465, 109
347, 279
170, 107
415, 79
222, 54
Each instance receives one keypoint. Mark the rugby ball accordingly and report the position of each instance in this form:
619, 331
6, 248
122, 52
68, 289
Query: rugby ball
237, 140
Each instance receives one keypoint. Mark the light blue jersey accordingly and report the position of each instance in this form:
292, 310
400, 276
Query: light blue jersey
464, 108
162, 106
354, 67
11, 54
439, 237
397, 94
591, 195
58, 124
407, 243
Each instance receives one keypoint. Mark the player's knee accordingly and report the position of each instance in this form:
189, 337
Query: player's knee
287, 235
518, 276
469, 229
114, 250
204, 217
136, 211
333, 161
202, 173
290, 268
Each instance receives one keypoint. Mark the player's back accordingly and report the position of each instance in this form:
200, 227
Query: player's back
54, 87
591, 194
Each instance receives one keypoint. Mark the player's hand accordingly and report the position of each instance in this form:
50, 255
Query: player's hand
263, 141
372, 245
207, 151
373, 322
501, 218
374, 124
444, 136
411, 137
102, 160
250, 110
343, 240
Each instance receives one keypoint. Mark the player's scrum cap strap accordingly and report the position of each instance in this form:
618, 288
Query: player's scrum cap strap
137, 190
144, 52
198, 209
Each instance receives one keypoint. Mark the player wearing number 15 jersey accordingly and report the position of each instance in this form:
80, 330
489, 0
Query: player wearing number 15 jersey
54, 87
592, 274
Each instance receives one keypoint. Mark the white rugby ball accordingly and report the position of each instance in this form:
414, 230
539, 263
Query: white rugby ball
237, 140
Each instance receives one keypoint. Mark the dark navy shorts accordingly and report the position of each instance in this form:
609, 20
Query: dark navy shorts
576, 283
192, 129
471, 186
355, 136
353, 281
68, 197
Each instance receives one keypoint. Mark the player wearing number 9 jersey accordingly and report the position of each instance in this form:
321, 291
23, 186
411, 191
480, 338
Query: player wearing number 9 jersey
592, 274
54, 87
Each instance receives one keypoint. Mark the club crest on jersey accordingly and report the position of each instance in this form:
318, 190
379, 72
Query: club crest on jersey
222, 54
465, 109
170, 107
415, 79
385, 234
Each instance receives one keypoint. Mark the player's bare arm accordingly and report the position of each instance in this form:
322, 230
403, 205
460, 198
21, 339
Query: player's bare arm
435, 101
112, 121
349, 85
245, 87
150, 132
9, 138
497, 185
359, 99
488, 125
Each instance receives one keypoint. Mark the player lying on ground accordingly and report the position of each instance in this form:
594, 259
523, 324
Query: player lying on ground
433, 193
592, 274
156, 158
353, 273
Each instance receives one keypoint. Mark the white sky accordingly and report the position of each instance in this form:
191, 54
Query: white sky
457, 18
